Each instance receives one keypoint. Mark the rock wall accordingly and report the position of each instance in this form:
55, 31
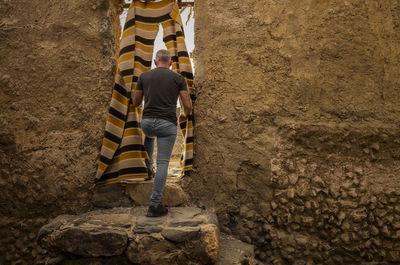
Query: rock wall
56, 74
297, 138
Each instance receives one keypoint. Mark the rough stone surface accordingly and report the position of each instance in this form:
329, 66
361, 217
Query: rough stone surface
95, 234
210, 237
105, 236
173, 194
109, 196
56, 72
97, 261
235, 252
297, 130
180, 234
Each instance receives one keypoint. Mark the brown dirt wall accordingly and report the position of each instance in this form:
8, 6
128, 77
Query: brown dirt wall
56, 74
297, 138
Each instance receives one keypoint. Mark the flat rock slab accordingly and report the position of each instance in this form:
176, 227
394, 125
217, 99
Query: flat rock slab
173, 194
235, 252
187, 235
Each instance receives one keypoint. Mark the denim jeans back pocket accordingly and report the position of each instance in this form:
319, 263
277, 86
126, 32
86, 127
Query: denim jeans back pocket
146, 127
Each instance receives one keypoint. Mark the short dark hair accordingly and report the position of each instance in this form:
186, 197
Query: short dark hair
163, 56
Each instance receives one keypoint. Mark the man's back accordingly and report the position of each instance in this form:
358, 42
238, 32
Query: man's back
161, 88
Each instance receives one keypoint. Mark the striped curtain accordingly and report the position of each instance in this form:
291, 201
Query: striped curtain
122, 154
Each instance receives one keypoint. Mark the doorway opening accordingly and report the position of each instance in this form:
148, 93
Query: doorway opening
187, 15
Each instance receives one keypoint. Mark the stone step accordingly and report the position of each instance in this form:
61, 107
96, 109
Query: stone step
137, 193
173, 194
187, 235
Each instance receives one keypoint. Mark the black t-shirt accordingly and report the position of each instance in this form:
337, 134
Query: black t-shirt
161, 88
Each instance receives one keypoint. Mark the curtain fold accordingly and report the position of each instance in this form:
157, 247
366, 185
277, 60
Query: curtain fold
122, 154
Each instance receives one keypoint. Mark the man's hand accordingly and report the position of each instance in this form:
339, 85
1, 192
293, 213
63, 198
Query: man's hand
186, 102
137, 98
182, 118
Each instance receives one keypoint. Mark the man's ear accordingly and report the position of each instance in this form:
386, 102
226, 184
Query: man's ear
170, 62
155, 62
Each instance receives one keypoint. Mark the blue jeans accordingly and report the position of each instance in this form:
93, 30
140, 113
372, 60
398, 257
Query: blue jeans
165, 131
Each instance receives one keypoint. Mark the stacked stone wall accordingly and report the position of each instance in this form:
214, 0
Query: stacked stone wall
337, 205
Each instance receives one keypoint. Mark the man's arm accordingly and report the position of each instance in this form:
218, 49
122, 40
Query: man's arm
186, 102
137, 98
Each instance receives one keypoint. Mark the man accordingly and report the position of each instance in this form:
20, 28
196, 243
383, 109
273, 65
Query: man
160, 88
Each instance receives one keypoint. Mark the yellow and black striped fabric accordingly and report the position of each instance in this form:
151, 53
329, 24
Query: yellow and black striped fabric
122, 154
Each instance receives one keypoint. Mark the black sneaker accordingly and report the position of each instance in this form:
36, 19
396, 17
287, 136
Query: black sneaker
150, 173
157, 211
